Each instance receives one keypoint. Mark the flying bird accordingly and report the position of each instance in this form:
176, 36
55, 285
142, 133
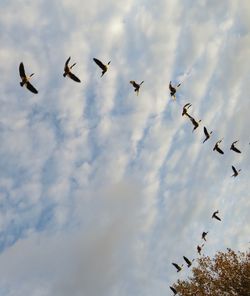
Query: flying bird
136, 86
204, 234
207, 134
173, 89
185, 108
68, 73
234, 148
173, 289
217, 148
199, 248
189, 263
102, 66
215, 215
194, 122
178, 267
236, 172
25, 79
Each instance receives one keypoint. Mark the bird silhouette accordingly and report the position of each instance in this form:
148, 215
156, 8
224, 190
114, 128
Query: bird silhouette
178, 267
173, 289
207, 134
189, 263
173, 89
199, 248
215, 215
136, 86
217, 148
102, 66
185, 108
204, 234
68, 73
234, 148
194, 122
236, 172
25, 79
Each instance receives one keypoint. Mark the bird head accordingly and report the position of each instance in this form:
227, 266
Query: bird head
32, 74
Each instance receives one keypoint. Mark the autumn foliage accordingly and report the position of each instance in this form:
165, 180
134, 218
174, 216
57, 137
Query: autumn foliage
227, 274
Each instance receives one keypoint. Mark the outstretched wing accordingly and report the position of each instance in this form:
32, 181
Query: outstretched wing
21, 70
67, 62
235, 149
73, 77
219, 150
173, 289
206, 132
31, 88
234, 170
99, 63
187, 260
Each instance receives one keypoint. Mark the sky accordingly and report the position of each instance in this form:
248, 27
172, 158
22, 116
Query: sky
100, 189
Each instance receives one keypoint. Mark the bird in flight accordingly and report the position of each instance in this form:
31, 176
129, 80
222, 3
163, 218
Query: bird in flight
173, 90
199, 248
25, 79
185, 108
136, 86
178, 267
189, 263
215, 215
102, 66
217, 148
68, 73
207, 134
236, 172
194, 122
204, 234
234, 148
173, 289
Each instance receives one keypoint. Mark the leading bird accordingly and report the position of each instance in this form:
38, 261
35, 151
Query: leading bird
25, 79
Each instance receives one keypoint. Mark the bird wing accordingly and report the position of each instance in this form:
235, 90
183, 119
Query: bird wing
235, 149
216, 217
31, 88
234, 170
206, 132
186, 105
176, 265
21, 70
142, 82
99, 63
187, 260
66, 63
219, 150
173, 289
73, 77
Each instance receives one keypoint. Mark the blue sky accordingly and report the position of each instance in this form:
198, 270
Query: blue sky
100, 189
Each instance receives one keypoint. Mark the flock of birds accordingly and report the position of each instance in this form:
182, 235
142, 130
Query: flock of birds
173, 89
196, 124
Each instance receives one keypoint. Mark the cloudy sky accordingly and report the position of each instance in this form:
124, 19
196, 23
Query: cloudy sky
100, 189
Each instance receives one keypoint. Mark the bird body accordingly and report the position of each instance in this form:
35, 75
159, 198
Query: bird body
25, 79
207, 134
173, 89
199, 248
178, 267
234, 148
136, 86
204, 234
67, 71
217, 148
215, 215
236, 172
102, 66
